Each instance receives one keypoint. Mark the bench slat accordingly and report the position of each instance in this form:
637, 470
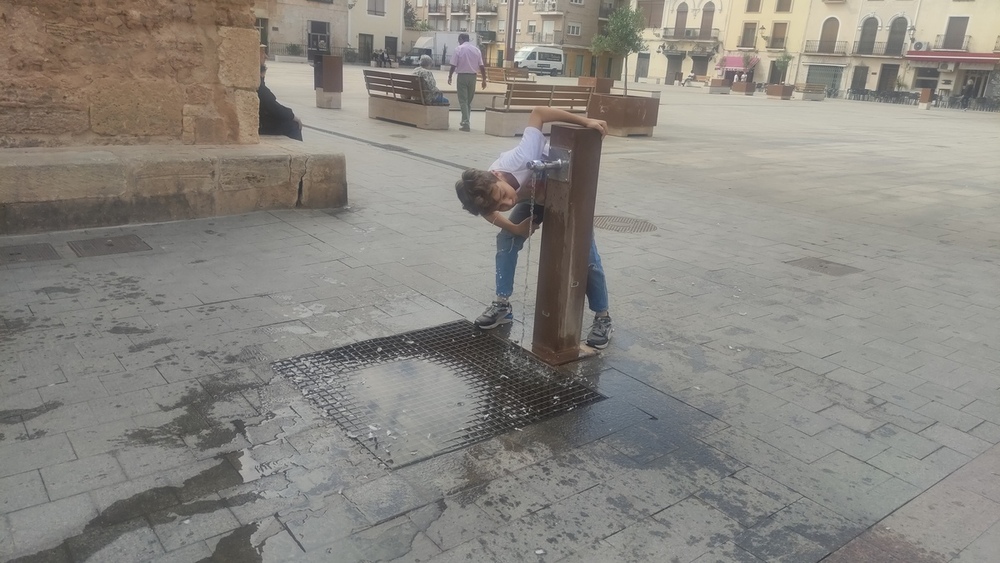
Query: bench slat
402, 87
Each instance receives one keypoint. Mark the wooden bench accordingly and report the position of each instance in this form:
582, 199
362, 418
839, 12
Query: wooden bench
508, 115
499, 74
399, 98
811, 92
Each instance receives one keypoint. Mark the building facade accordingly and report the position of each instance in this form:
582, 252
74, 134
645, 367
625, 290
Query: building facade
569, 24
761, 33
682, 37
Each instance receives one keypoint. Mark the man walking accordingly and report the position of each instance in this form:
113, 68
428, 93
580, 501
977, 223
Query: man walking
466, 60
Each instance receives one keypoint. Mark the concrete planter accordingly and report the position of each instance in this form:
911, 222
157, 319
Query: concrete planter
780, 91
745, 88
718, 86
626, 115
600, 85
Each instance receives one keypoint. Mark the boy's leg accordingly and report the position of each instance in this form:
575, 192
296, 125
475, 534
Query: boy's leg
597, 298
508, 245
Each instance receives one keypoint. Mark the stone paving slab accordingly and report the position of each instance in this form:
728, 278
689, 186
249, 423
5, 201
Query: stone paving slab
756, 411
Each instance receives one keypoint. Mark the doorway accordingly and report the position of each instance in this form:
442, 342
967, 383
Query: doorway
642, 66
366, 46
887, 78
859, 80
674, 66
579, 65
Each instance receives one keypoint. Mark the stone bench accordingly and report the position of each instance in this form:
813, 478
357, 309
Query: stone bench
48, 189
399, 98
508, 114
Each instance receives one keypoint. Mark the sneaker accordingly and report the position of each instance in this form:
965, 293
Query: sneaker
600, 333
464, 128
498, 313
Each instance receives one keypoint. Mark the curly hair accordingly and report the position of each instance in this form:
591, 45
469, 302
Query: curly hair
475, 191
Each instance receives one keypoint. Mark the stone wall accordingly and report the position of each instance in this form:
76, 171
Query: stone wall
111, 72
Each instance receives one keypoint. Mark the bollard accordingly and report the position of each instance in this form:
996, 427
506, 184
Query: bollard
329, 81
926, 97
570, 196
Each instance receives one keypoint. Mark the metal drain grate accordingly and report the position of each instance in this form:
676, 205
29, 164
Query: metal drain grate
416, 395
824, 266
108, 245
623, 224
27, 253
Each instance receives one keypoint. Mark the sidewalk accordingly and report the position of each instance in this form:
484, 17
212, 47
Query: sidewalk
758, 408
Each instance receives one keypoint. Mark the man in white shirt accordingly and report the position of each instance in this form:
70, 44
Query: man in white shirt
466, 60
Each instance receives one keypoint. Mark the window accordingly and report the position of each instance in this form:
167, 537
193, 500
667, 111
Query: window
531, 26
518, 26
579, 2
652, 12
501, 26
551, 57
954, 35
778, 35
376, 7
749, 36
573, 28
753, 5
783, 6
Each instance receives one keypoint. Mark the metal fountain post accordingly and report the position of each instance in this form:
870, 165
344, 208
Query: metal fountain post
570, 196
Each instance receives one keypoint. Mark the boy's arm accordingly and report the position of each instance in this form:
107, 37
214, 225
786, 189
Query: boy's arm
542, 115
524, 228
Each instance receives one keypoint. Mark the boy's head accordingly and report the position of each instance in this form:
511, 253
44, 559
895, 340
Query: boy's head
482, 192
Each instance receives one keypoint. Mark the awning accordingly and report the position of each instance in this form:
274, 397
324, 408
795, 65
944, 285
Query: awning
735, 62
953, 57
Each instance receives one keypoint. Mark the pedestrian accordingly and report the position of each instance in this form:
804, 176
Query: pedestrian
508, 185
276, 119
690, 79
465, 60
428, 84
968, 93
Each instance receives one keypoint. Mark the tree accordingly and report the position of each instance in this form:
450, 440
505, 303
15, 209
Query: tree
781, 64
409, 15
622, 36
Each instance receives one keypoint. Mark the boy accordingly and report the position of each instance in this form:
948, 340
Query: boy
506, 186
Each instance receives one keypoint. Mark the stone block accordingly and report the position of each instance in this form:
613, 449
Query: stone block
35, 527
52, 121
509, 123
21, 491
41, 175
155, 173
247, 116
324, 184
244, 172
327, 100
136, 108
421, 117
239, 57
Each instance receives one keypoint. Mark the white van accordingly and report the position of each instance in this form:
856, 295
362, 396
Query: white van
541, 60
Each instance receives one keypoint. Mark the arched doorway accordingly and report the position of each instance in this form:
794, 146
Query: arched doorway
707, 19
897, 37
866, 43
828, 36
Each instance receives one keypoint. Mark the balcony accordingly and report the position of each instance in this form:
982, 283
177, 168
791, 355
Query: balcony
486, 9
952, 42
460, 7
554, 38
826, 47
486, 36
690, 34
878, 49
548, 7
776, 43
604, 12
437, 8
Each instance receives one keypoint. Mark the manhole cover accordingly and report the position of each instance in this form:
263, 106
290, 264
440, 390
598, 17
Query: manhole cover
416, 395
27, 253
108, 245
623, 224
824, 266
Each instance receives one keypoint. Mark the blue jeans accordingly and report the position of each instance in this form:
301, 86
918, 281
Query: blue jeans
509, 244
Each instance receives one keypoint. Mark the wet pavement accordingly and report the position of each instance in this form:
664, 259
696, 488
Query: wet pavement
804, 365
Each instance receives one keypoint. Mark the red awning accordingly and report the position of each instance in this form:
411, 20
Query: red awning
735, 62
953, 57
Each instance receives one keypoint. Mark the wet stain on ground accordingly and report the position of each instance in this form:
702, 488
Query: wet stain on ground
55, 290
237, 546
155, 506
120, 329
23, 415
145, 345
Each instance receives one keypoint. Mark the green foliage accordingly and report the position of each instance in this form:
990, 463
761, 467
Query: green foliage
782, 62
621, 36
749, 61
294, 50
409, 15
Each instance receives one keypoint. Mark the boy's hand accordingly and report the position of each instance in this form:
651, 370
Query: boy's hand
526, 227
600, 125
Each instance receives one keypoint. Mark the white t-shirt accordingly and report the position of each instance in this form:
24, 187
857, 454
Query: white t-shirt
533, 146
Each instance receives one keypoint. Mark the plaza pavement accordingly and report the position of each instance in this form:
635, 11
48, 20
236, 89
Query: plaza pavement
757, 411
